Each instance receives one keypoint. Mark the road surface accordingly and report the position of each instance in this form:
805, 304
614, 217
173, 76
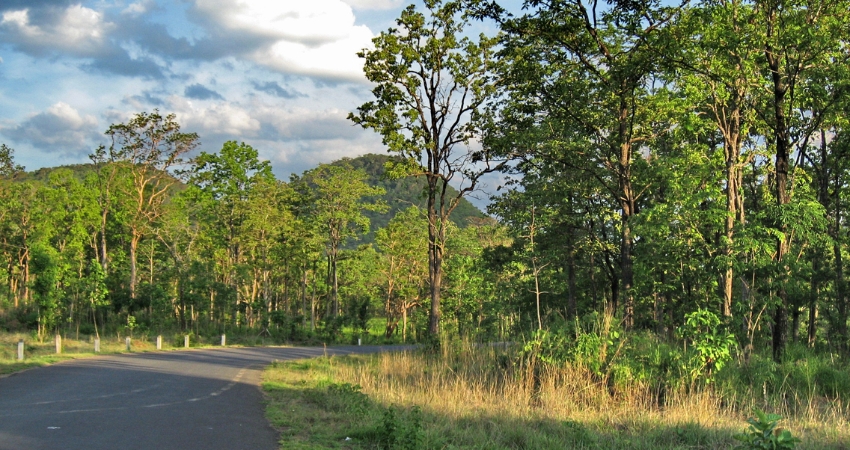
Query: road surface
197, 399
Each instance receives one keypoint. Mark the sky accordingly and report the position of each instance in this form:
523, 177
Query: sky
279, 75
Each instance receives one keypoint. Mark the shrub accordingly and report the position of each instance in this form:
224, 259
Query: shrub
711, 346
763, 434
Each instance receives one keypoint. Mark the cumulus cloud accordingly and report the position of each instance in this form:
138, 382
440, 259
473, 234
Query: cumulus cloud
19, 4
273, 88
59, 129
262, 121
139, 8
316, 38
76, 30
200, 92
118, 62
218, 119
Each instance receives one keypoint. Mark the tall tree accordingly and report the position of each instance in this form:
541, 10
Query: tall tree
223, 185
798, 39
715, 69
585, 71
336, 198
431, 85
148, 146
402, 266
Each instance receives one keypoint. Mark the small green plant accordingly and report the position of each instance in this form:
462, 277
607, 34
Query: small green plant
764, 435
401, 431
348, 397
131, 323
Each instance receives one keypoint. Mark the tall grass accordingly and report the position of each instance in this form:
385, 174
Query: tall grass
479, 396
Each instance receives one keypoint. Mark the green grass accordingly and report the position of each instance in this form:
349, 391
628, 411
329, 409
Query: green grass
312, 411
41, 353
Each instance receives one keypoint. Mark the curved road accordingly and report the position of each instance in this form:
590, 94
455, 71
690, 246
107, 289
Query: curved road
198, 399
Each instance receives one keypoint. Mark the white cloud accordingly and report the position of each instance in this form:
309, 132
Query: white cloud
315, 38
139, 8
293, 138
78, 30
221, 118
336, 59
60, 128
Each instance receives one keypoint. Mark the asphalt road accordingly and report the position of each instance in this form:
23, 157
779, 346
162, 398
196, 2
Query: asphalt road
197, 399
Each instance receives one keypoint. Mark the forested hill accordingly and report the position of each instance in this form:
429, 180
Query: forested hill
402, 193
80, 171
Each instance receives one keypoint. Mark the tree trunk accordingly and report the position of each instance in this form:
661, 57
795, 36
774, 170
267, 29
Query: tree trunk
104, 259
782, 143
304, 297
134, 244
627, 205
572, 309
335, 288
436, 235
731, 148
840, 285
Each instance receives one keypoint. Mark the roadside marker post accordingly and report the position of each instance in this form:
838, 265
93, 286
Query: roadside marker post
58, 344
128, 341
21, 350
186, 340
223, 340
159, 342
97, 345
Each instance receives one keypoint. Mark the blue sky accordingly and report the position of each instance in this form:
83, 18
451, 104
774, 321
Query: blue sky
280, 75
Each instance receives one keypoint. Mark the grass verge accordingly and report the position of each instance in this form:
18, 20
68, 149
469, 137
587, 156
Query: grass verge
471, 399
42, 353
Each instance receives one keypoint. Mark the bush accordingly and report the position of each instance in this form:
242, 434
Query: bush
401, 430
710, 344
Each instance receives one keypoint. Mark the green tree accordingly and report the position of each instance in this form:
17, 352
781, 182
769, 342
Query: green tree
8, 167
335, 195
431, 85
582, 75
147, 146
45, 288
227, 186
403, 266
715, 70
799, 41
96, 291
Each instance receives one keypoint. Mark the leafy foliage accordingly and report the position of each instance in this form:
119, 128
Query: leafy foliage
763, 433
710, 345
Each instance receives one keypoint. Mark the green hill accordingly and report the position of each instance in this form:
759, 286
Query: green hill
402, 193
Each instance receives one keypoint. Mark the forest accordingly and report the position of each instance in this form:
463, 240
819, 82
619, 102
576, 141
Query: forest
678, 170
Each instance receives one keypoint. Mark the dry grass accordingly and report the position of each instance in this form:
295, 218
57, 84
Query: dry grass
475, 398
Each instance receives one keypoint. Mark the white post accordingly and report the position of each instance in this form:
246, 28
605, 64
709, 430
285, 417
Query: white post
186, 341
128, 340
159, 342
58, 344
358, 341
223, 340
21, 350
97, 345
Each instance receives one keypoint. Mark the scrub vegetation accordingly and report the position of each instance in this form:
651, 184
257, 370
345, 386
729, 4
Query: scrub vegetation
664, 247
